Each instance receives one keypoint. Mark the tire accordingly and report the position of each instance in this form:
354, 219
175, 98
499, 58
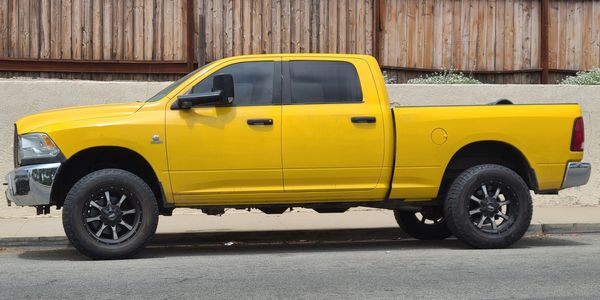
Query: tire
488, 206
110, 231
423, 225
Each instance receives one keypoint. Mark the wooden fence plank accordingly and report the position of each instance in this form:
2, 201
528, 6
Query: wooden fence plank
552, 34
107, 23
266, 27
4, 30
257, 26
562, 35
275, 38
586, 43
169, 36
128, 31
361, 13
34, 29
44, 29
86, 29
457, 43
179, 28
535, 42
350, 26
55, 37
148, 34
306, 26
596, 33
24, 35
368, 26
118, 25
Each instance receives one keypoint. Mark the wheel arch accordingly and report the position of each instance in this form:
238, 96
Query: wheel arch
102, 157
489, 152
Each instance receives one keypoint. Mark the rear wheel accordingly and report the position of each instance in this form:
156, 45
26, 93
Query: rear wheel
428, 224
110, 214
488, 206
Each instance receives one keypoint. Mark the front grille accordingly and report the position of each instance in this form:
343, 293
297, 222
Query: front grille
16, 149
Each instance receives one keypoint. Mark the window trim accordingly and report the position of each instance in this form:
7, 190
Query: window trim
276, 97
287, 83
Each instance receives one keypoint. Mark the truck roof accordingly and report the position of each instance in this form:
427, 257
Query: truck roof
308, 55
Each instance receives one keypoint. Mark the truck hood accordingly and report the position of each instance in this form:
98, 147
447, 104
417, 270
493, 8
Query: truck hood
32, 123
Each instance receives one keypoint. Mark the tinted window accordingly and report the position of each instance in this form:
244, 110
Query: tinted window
252, 83
324, 82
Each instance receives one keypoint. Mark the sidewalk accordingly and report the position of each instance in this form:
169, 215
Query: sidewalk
192, 221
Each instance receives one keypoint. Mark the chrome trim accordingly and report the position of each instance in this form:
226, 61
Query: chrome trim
31, 185
577, 173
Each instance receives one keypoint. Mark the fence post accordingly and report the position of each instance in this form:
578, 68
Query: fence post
544, 58
189, 14
378, 13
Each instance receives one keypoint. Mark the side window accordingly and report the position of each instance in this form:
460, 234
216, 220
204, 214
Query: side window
252, 83
324, 82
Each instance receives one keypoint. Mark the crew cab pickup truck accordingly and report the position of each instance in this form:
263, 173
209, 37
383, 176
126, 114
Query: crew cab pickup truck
272, 132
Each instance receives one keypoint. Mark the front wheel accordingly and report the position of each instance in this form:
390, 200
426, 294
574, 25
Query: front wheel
488, 206
110, 214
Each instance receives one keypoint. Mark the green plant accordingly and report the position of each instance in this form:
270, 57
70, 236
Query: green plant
591, 77
388, 78
446, 77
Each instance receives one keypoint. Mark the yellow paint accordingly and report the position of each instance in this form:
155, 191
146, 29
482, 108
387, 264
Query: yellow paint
312, 153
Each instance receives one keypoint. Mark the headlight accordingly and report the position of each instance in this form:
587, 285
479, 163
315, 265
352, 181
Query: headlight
37, 148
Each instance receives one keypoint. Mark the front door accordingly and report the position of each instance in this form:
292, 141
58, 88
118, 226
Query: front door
220, 155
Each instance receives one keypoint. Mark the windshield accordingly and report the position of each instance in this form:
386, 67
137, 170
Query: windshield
175, 84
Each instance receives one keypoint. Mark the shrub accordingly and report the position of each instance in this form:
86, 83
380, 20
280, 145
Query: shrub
591, 77
446, 77
388, 78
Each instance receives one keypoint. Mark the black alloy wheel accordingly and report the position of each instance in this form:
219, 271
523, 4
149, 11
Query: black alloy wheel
110, 214
488, 206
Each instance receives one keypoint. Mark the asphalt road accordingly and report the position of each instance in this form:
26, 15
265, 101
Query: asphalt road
536, 267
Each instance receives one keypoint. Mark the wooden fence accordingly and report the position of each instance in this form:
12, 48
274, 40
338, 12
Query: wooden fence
522, 41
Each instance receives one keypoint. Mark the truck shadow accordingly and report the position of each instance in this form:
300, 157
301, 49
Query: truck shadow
283, 248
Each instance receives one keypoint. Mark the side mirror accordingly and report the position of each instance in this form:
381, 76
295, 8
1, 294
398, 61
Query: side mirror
222, 94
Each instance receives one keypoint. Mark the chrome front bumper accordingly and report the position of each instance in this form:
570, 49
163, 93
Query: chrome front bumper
577, 173
31, 185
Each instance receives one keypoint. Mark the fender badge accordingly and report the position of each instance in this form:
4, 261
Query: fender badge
156, 139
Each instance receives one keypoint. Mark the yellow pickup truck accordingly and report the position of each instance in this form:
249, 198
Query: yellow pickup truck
272, 132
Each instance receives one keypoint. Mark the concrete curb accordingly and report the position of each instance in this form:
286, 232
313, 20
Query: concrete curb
281, 236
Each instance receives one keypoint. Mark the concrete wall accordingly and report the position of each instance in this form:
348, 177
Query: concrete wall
22, 97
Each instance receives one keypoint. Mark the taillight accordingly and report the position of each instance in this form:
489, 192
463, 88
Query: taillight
578, 135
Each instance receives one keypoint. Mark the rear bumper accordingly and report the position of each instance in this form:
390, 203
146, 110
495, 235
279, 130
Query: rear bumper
577, 173
31, 185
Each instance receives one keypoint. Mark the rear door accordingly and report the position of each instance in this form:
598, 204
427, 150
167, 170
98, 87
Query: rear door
333, 131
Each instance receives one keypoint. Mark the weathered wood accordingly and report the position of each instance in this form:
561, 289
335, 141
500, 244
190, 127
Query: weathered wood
4, 28
148, 34
178, 31
34, 32
44, 29
257, 26
107, 23
426, 34
24, 34
276, 23
169, 36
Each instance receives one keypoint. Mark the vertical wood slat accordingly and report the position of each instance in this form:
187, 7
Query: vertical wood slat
107, 23
4, 28
148, 33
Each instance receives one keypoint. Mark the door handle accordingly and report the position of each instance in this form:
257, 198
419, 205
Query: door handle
363, 119
260, 121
